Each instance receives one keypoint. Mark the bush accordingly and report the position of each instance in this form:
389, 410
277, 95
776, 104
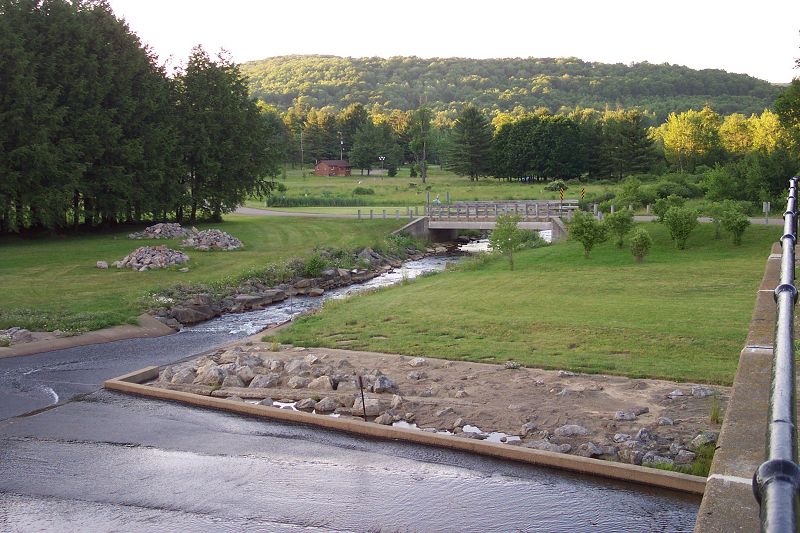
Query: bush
641, 241
555, 185
314, 266
506, 237
605, 206
663, 204
362, 191
588, 231
631, 192
735, 222
680, 221
531, 239
586, 203
619, 224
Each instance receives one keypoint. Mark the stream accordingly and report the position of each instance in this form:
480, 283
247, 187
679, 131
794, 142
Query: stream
75, 457
251, 322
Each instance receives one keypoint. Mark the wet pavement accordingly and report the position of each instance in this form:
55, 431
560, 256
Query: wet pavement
108, 461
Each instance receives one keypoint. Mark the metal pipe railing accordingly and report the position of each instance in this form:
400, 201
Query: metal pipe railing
776, 483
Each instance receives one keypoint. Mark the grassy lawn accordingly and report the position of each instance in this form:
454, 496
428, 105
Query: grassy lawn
681, 315
53, 283
402, 190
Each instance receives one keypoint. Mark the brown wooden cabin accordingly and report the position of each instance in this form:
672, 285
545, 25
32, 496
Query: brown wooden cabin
332, 167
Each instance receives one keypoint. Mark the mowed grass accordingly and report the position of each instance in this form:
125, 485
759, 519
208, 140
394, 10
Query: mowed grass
680, 315
53, 283
405, 191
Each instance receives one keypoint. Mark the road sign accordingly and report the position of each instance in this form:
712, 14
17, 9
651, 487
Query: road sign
561, 193
583, 192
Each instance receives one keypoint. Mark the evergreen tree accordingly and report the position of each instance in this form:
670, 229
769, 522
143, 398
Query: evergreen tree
224, 138
469, 144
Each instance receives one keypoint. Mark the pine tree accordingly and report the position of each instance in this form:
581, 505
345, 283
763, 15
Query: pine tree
467, 150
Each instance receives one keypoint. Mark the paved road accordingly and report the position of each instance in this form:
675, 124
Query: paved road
112, 462
33, 382
99, 460
273, 213
639, 218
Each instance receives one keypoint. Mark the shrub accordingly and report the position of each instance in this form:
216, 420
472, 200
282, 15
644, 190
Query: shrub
506, 237
619, 224
531, 239
590, 199
680, 221
631, 192
314, 266
641, 241
735, 222
555, 185
362, 191
588, 231
714, 211
663, 204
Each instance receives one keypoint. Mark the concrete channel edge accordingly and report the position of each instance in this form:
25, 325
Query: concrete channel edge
132, 384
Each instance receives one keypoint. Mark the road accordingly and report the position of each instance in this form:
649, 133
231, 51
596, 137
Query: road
252, 211
100, 461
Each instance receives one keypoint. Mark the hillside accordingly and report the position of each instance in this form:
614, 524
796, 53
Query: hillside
502, 84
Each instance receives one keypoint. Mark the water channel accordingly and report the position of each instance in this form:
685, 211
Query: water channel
107, 461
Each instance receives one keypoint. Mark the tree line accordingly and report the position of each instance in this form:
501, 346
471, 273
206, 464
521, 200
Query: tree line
502, 85
93, 131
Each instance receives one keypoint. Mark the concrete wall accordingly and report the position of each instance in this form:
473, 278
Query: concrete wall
728, 503
417, 228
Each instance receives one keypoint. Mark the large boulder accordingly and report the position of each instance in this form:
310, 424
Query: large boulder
373, 406
233, 381
571, 430
296, 366
184, 376
265, 381
321, 383
193, 314
548, 446
212, 376
327, 405
384, 384
298, 382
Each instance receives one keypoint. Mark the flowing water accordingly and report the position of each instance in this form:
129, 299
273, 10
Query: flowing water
252, 322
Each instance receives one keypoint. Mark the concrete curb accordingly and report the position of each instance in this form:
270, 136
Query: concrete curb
148, 327
132, 384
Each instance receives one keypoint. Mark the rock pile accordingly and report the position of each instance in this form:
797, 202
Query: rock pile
321, 384
14, 335
162, 230
212, 239
149, 258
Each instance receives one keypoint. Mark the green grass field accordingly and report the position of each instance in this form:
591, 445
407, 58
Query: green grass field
52, 283
404, 191
680, 315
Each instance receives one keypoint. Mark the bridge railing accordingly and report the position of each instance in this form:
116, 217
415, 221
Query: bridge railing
491, 210
776, 483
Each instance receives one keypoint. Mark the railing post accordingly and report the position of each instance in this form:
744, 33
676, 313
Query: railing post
777, 481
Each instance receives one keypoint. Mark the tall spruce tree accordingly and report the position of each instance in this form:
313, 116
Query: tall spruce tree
468, 146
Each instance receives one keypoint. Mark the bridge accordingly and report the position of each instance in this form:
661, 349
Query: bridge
443, 222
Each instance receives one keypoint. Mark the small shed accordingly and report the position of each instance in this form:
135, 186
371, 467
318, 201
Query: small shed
332, 167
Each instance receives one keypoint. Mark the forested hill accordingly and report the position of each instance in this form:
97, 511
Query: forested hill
503, 84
